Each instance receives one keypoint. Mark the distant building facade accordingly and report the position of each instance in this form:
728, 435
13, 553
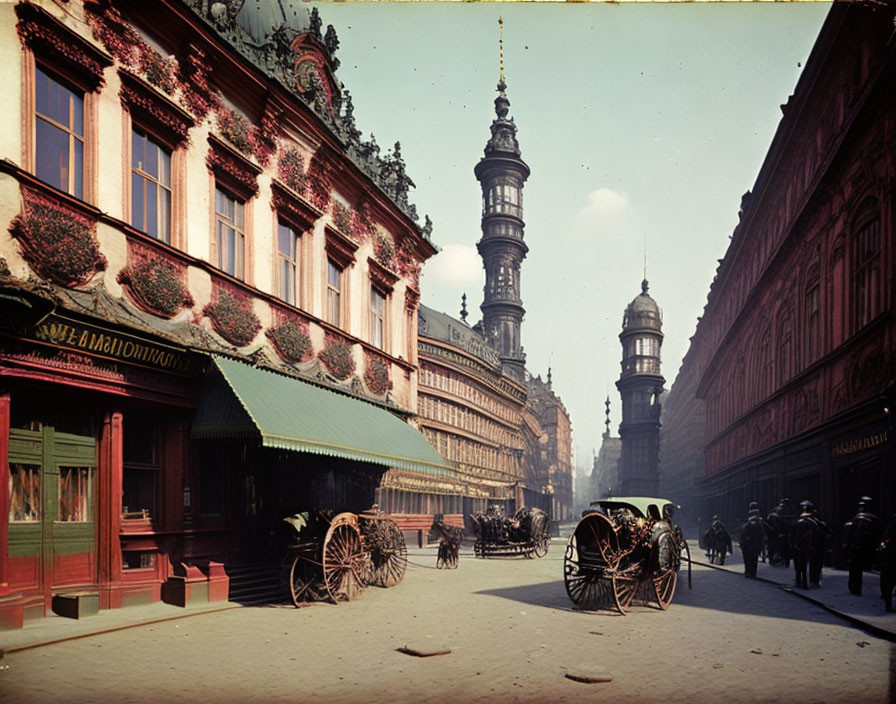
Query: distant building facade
789, 381
604, 479
556, 476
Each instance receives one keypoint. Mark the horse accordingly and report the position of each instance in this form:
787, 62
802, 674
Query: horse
450, 538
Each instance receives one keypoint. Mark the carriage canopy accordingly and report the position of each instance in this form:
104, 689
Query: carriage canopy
640, 505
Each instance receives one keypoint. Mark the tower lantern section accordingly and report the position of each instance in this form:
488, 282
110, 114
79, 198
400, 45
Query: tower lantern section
501, 174
640, 386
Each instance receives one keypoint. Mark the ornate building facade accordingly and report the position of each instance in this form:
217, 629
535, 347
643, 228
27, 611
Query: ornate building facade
556, 475
604, 478
208, 293
640, 386
792, 367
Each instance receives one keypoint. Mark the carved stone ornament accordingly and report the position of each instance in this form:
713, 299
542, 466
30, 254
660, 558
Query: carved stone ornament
337, 357
155, 282
291, 340
232, 317
49, 38
232, 168
148, 107
376, 375
58, 242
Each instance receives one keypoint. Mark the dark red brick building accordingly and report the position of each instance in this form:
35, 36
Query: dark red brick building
792, 365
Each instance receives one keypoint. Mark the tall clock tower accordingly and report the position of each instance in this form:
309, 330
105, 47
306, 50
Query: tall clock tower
501, 173
640, 386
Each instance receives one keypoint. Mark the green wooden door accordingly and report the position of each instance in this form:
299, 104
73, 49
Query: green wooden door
52, 529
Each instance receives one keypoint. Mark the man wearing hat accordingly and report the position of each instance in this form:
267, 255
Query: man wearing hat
752, 537
860, 538
804, 539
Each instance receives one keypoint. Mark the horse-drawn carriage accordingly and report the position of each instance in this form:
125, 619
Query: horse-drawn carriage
626, 549
334, 556
527, 533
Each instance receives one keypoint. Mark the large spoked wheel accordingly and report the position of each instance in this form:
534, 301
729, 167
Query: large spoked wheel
344, 559
541, 546
585, 579
624, 590
390, 561
664, 587
304, 581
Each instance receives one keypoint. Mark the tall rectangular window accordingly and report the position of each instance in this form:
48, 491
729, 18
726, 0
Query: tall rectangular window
377, 317
334, 292
812, 329
287, 263
59, 134
865, 273
150, 186
230, 233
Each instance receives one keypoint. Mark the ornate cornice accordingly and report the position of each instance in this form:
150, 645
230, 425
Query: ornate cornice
147, 105
233, 169
49, 38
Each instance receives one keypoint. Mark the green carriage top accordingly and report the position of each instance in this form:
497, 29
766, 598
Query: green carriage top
625, 549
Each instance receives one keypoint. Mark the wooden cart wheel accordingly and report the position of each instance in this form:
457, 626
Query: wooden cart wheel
586, 582
389, 562
664, 587
304, 581
344, 559
624, 589
541, 547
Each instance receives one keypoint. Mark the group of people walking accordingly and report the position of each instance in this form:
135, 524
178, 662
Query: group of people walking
781, 537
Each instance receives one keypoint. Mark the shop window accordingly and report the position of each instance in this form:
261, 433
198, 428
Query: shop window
334, 293
287, 263
377, 317
150, 186
24, 493
141, 469
76, 494
230, 233
59, 133
138, 560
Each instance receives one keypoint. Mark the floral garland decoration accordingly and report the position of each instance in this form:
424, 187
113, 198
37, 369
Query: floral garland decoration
236, 128
198, 95
337, 356
291, 169
126, 45
342, 217
384, 250
376, 375
232, 317
156, 285
291, 340
58, 243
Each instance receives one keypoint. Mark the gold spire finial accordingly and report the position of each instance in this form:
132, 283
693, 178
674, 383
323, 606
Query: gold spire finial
501, 44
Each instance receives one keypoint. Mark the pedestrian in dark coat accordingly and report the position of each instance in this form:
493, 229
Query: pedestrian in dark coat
822, 536
752, 537
803, 537
887, 563
860, 538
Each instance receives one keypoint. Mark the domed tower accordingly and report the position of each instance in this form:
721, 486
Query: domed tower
501, 174
640, 386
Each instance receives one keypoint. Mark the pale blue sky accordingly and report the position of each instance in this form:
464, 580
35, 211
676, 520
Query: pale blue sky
634, 118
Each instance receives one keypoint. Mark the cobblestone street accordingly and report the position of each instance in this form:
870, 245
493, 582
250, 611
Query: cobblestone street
513, 637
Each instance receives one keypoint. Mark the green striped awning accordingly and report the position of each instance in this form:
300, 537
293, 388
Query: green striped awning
242, 401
